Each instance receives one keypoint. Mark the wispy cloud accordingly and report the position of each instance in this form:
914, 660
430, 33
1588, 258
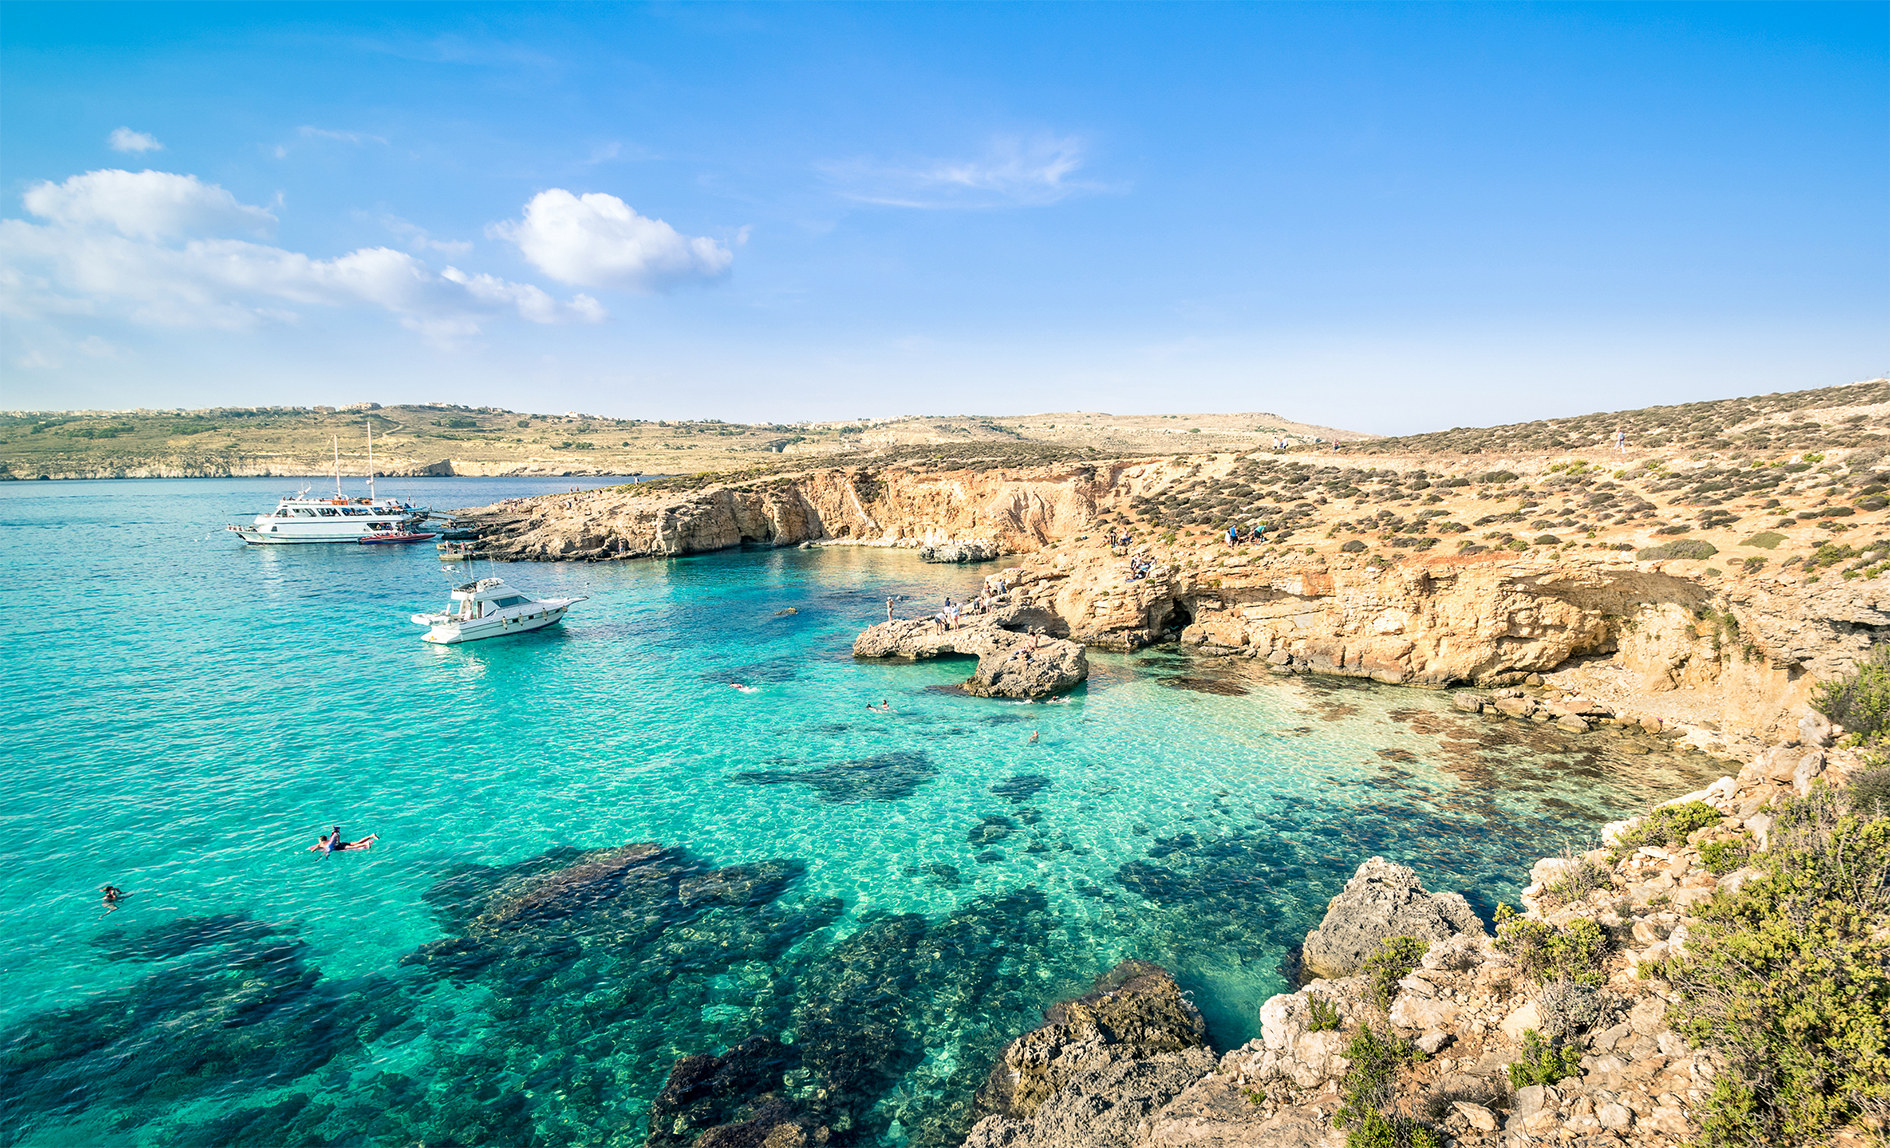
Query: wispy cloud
1011, 172
309, 133
124, 139
417, 238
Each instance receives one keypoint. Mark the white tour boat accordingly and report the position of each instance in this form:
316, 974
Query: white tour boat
489, 608
298, 518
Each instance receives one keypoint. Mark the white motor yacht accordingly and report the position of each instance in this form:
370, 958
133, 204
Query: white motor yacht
298, 518
489, 608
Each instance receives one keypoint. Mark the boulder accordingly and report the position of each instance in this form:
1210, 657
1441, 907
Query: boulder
959, 550
1382, 900
1135, 1012
1015, 658
1051, 667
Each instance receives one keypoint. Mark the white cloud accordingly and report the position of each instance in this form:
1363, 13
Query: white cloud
145, 205
146, 248
597, 240
1012, 172
124, 139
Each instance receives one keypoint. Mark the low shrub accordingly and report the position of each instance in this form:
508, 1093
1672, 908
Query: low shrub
1696, 549
1367, 1091
1542, 1062
1765, 540
1353, 547
1580, 878
1870, 793
1722, 855
1788, 982
1325, 1015
1859, 701
1668, 825
1569, 1008
1545, 952
1394, 960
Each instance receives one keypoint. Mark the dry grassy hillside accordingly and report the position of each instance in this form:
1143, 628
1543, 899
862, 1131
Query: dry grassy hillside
438, 439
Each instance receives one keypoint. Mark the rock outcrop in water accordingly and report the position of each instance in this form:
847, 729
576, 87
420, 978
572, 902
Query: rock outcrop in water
1015, 660
1382, 901
1135, 1039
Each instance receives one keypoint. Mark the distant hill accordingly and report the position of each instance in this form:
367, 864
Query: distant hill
1828, 417
440, 439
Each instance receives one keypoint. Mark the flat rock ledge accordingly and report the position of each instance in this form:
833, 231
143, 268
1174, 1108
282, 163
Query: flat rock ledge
1013, 662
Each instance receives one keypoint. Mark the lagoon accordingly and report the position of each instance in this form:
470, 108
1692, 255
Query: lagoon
189, 714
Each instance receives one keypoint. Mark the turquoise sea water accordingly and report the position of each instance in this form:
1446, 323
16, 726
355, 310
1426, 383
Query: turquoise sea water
189, 714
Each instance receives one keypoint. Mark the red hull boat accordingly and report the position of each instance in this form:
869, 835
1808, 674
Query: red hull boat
376, 539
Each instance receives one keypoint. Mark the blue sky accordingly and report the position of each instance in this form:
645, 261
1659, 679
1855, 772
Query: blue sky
1387, 218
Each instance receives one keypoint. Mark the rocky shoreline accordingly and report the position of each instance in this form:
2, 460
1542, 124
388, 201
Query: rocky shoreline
1466, 1007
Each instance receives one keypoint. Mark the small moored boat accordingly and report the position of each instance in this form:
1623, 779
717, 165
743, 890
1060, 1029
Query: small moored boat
489, 608
392, 536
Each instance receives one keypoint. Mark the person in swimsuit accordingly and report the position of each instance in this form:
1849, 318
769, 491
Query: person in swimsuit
332, 843
113, 894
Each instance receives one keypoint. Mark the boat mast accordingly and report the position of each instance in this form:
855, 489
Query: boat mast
337, 441
370, 459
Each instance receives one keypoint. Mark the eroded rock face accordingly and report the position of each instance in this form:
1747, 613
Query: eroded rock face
1381, 901
1100, 1064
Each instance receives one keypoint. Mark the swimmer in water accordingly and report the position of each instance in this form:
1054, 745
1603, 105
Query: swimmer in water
332, 843
113, 894
743, 688
1034, 735
884, 707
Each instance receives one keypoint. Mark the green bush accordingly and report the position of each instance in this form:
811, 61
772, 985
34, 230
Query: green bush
1668, 825
1765, 540
1544, 952
1367, 1091
1859, 701
1788, 980
1542, 1062
1581, 878
1394, 960
1870, 793
1721, 855
1697, 549
1325, 1015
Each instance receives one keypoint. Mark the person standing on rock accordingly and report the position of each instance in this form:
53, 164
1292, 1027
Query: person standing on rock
889, 603
1620, 440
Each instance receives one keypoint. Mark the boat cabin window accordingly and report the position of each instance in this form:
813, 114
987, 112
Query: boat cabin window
508, 601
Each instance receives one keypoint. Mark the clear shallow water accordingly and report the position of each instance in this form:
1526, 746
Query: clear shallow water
189, 714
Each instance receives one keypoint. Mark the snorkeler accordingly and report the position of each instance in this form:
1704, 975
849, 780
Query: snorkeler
332, 843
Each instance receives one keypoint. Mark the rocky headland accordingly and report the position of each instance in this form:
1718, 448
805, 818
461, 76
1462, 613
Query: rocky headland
1698, 590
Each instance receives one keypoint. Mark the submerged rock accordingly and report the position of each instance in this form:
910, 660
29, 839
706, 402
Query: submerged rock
882, 777
1382, 900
